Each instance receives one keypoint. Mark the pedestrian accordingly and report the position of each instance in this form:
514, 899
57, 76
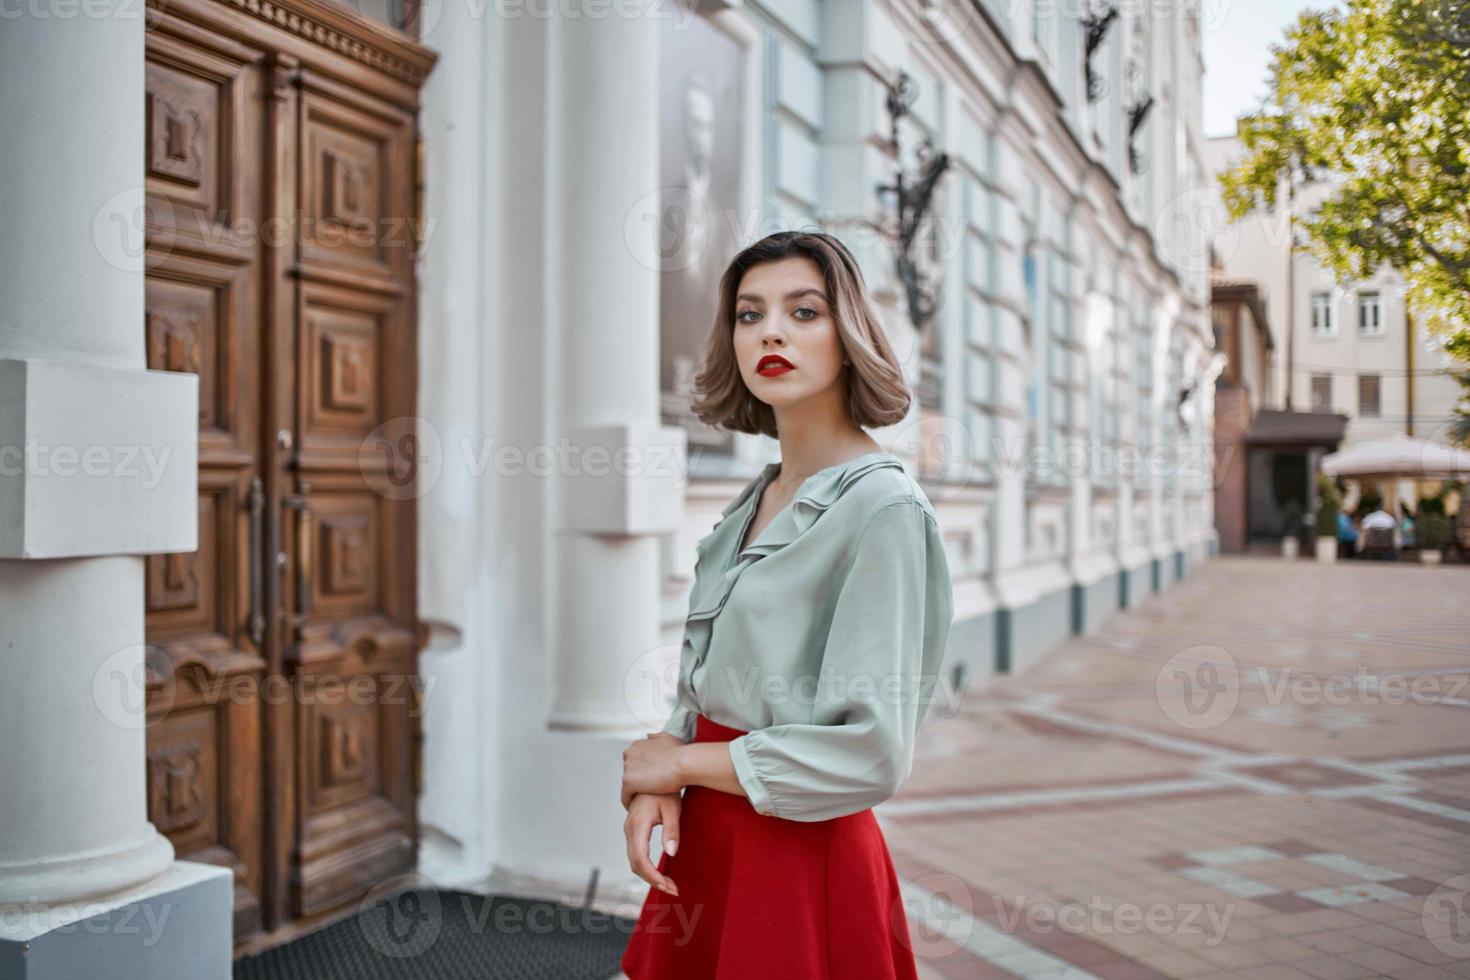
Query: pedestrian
1380, 534
1347, 535
800, 691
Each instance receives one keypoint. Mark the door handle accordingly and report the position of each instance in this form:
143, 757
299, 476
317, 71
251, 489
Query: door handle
255, 501
299, 503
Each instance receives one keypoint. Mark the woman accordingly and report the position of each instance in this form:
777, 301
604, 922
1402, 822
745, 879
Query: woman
800, 692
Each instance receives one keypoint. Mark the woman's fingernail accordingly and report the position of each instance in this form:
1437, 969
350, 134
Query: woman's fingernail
671, 846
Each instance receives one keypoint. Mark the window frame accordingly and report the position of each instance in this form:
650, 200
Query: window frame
1327, 327
1325, 405
1377, 307
1377, 385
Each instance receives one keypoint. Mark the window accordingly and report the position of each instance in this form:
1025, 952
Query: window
1368, 397
1321, 392
1370, 314
1322, 324
1044, 29
1029, 272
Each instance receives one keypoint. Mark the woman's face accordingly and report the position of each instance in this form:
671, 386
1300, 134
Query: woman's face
785, 337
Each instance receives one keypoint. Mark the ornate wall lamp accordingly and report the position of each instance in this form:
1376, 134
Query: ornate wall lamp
1138, 108
1097, 17
911, 200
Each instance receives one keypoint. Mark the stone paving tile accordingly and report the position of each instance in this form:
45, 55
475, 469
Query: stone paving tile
1219, 782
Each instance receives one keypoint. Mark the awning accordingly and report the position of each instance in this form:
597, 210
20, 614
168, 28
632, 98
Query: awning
1301, 429
1399, 456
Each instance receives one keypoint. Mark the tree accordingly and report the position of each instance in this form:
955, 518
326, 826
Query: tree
1378, 95
1459, 347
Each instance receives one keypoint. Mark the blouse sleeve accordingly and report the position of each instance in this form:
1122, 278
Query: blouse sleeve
880, 659
681, 722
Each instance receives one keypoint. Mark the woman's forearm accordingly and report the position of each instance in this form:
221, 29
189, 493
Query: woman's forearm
708, 764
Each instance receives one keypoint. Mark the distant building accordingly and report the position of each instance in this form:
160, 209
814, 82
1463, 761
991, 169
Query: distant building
1265, 458
1345, 348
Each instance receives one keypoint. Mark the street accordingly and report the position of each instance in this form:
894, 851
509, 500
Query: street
1262, 772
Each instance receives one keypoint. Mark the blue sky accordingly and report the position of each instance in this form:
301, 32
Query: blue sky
1236, 38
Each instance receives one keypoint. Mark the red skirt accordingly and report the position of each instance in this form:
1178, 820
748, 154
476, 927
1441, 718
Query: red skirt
764, 898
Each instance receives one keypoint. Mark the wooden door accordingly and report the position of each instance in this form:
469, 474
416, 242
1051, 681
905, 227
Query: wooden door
283, 709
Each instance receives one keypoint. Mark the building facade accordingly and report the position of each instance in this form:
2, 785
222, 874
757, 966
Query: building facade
1348, 348
451, 458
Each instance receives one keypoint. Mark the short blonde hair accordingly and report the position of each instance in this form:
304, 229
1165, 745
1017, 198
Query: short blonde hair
876, 393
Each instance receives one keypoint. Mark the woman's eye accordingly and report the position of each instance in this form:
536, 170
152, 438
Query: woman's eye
811, 313
741, 316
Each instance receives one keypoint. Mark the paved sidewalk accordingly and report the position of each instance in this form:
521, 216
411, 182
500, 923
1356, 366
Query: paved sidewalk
1262, 772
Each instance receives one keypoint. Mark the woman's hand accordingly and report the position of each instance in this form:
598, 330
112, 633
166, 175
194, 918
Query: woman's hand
650, 765
645, 811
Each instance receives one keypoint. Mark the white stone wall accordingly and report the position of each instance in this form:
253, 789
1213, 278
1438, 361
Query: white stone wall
1099, 336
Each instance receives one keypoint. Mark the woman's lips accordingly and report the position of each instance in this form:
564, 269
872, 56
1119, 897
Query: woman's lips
770, 367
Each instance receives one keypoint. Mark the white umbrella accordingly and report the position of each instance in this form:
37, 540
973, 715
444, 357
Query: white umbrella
1399, 456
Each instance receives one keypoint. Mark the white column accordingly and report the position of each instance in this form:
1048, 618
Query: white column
605, 307
1010, 423
73, 819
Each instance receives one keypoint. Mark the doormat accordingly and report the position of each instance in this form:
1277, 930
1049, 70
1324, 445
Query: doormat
452, 935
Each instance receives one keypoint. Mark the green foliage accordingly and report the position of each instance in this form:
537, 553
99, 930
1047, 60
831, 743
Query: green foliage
1432, 505
1458, 346
1377, 96
1291, 519
1432, 531
1329, 503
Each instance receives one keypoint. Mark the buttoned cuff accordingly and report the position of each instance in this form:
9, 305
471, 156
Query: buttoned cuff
749, 775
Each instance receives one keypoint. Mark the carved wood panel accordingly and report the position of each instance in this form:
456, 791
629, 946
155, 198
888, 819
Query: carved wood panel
283, 713
202, 316
354, 627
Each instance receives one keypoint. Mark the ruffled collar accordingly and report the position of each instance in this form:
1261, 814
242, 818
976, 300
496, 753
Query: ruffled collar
817, 492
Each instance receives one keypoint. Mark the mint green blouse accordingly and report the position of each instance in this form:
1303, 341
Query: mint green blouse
827, 653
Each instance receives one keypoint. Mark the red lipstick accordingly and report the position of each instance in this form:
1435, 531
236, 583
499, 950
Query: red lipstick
773, 365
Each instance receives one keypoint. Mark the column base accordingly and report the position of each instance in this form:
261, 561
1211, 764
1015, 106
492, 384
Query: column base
176, 927
83, 876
